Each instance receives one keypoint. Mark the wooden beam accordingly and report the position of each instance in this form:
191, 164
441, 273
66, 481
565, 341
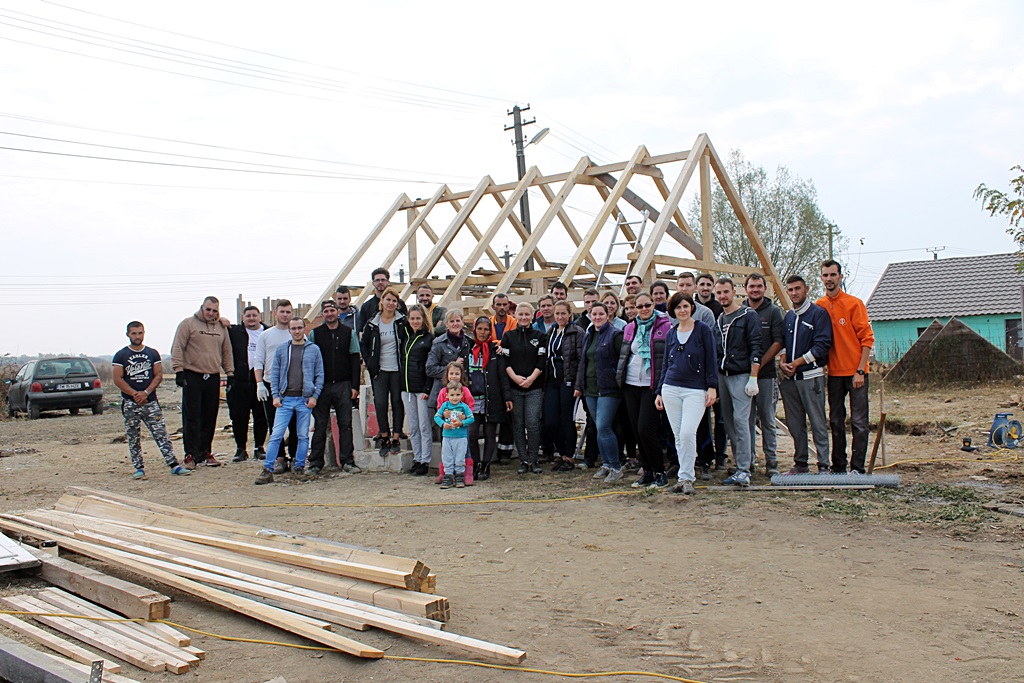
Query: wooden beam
555, 206
749, 229
520, 229
495, 259
445, 240
410, 602
24, 664
56, 643
561, 177
359, 252
251, 608
413, 258
685, 236
89, 633
671, 203
119, 595
606, 209
563, 218
175, 518
707, 235
704, 266
485, 239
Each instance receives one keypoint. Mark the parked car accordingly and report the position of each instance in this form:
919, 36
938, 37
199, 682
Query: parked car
55, 384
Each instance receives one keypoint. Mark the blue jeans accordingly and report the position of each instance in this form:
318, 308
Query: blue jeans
290, 405
604, 409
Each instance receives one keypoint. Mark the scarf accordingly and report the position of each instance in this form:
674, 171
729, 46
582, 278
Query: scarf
643, 339
482, 352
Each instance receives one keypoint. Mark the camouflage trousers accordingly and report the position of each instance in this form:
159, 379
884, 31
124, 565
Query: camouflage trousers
150, 414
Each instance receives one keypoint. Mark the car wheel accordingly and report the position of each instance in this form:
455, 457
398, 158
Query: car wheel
73, 411
98, 409
33, 411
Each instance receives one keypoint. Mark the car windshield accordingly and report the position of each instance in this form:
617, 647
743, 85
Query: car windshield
62, 367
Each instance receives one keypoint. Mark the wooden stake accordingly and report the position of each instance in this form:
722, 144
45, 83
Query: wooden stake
878, 437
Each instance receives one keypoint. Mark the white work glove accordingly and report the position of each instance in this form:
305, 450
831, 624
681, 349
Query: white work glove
262, 393
751, 389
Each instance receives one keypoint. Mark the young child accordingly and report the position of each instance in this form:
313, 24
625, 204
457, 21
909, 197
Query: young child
454, 372
452, 417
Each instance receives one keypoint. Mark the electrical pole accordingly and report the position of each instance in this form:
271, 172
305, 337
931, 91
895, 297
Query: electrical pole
524, 201
934, 251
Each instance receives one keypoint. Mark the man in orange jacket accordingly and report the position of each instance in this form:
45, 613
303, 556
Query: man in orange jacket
852, 340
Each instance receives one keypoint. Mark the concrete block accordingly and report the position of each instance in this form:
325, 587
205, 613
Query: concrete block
371, 461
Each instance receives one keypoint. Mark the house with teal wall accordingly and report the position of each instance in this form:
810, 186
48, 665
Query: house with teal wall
984, 292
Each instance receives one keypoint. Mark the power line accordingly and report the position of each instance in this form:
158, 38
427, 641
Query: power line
214, 59
270, 54
216, 168
197, 187
210, 146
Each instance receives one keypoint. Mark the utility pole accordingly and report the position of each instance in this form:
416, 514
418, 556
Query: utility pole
524, 201
507, 256
934, 251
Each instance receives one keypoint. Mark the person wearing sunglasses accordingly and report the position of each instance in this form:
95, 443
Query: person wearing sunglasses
640, 364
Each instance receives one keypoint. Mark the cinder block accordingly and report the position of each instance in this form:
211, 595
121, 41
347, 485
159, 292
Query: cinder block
371, 461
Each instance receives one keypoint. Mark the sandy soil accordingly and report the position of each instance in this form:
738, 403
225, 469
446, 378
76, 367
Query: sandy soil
917, 584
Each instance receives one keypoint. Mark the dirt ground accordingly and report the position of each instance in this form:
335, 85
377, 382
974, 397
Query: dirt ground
917, 584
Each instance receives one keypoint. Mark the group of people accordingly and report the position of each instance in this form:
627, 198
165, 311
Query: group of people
666, 378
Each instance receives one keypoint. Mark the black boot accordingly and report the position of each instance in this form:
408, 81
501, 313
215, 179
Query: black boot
524, 467
485, 472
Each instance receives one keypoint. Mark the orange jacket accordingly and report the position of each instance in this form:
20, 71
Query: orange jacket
510, 324
851, 332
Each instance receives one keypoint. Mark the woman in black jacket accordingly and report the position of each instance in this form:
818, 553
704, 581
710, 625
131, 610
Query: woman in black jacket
565, 342
414, 341
451, 347
492, 398
380, 354
525, 347
597, 383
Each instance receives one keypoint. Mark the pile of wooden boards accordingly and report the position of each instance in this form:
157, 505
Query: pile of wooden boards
149, 646
302, 584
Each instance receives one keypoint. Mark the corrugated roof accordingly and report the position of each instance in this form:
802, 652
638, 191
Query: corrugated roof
971, 285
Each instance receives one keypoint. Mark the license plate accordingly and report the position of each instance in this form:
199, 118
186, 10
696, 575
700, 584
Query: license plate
66, 387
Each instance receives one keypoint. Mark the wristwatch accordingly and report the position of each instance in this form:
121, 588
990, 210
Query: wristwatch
861, 372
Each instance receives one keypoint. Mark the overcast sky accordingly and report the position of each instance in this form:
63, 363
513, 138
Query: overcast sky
896, 111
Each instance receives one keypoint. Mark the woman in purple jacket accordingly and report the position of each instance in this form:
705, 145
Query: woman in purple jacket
688, 384
640, 363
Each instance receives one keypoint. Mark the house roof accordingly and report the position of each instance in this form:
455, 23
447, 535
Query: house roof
971, 285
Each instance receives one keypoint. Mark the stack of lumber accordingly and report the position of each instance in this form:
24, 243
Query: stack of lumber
14, 557
302, 584
150, 646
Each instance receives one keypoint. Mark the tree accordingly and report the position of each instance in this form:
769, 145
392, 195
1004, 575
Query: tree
1011, 205
785, 212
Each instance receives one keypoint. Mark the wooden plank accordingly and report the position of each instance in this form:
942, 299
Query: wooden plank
749, 229
409, 602
177, 659
573, 266
203, 571
322, 545
117, 594
14, 557
682, 235
445, 240
879, 431
414, 259
251, 608
359, 252
649, 250
706, 233
108, 677
699, 264
474, 256
495, 259
89, 633
409, 236
168, 634
368, 566
56, 643
684, 226
570, 228
306, 610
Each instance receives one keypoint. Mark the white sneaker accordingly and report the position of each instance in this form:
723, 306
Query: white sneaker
613, 476
602, 472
